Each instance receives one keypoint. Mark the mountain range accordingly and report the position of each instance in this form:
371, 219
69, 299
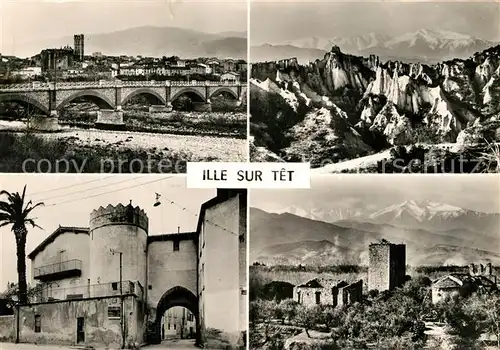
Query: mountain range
435, 234
344, 107
424, 45
152, 41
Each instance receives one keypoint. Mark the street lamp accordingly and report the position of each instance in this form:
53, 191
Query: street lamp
113, 252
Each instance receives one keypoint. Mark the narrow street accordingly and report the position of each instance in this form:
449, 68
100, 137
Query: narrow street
174, 344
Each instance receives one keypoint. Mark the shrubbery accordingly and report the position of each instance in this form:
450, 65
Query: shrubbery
386, 320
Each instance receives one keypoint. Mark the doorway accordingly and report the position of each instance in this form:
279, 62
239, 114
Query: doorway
80, 330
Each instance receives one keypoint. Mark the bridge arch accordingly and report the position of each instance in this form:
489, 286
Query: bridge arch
194, 94
224, 89
89, 95
176, 296
150, 94
25, 100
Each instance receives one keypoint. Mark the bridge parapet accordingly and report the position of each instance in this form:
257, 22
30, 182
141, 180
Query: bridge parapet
38, 86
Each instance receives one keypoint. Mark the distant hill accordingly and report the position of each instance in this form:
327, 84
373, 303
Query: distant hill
291, 240
152, 41
424, 45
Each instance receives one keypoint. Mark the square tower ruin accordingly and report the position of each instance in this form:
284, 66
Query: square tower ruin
387, 266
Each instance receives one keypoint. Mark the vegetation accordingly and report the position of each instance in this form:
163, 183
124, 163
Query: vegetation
15, 212
386, 320
63, 155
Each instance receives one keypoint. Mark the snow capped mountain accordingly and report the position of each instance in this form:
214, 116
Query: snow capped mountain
417, 210
414, 214
359, 43
435, 39
427, 44
434, 44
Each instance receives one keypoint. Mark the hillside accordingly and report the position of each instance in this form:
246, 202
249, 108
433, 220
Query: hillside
153, 41
288, 239
344, 107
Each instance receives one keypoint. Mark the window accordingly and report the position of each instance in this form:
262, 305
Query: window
175, 327
242, 238
132, 287
113, 312
169, 326
38, 324
176, 246
243, 292
298, 297
318, 297
114, 285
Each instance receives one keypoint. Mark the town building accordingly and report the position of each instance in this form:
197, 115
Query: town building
386, 266
110, 284
28, 72
79, 42
325, 291
230, 77
479, 279
56, 60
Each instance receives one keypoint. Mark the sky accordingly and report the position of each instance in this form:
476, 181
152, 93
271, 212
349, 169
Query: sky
276, 21
372, 192
56, 189
28, 21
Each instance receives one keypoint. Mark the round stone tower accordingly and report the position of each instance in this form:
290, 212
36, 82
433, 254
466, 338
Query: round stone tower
118, 229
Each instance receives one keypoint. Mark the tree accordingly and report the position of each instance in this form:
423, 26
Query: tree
307, 317
14, 211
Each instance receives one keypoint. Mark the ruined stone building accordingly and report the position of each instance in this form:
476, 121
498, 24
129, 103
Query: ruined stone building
479, 279
387, 266
110, 284
324, 291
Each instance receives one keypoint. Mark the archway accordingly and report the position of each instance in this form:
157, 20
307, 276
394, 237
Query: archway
94, 97
83, 106
224, 92
176, 297
186, 99
224, 99
143, 96
22, 105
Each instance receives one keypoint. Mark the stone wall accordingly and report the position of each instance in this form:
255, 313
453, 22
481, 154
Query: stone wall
63, 249
123, 229
221, 250
387, 266
378, 268
7, 328
350, 294
307, 296
58, 322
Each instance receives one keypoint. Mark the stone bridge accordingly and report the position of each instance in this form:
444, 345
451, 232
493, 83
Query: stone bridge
50, 98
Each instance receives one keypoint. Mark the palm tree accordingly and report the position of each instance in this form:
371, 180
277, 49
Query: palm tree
15, 212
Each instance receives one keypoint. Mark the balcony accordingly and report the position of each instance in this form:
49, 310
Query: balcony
64, 269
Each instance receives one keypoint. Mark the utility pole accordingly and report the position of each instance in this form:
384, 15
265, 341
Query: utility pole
122, 314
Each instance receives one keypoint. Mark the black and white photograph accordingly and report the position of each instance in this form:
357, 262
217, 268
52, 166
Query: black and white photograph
376, 86
122, 86
121, 262
376, 262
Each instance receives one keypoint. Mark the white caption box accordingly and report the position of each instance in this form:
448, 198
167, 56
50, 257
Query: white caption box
248, 175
